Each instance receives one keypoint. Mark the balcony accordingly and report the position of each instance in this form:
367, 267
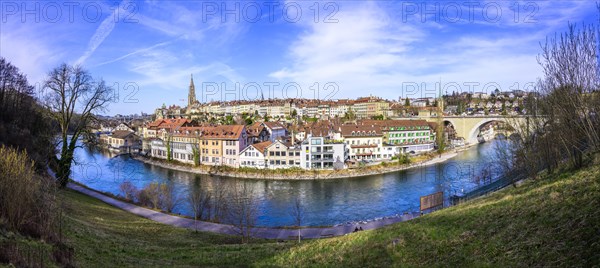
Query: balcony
325, 159
363, 146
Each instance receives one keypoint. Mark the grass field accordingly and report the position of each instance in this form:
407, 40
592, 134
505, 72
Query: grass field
552, 221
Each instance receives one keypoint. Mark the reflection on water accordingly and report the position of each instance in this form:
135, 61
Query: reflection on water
327, 202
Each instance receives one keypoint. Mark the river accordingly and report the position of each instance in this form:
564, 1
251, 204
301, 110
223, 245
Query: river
326, 202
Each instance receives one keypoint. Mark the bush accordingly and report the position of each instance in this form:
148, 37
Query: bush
404, 159
168, 197
128, 190
150, 195
27, 200
158, 196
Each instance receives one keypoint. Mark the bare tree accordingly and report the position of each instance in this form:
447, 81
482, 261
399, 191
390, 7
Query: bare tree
219, 201
169, 198
199, 200
297, 212
569, 88
128, 190
563, 120
243, 210
24, 123
150, 195
73, 96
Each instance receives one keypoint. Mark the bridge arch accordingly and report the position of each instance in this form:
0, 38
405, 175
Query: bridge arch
468, 127
474, 131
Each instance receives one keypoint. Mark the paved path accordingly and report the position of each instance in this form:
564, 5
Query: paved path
268, 233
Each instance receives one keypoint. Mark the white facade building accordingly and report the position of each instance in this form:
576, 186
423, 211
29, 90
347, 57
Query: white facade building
319, 153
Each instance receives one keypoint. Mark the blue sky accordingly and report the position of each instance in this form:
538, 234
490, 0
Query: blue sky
148, 49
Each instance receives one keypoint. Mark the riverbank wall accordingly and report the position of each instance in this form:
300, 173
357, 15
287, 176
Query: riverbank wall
294, 175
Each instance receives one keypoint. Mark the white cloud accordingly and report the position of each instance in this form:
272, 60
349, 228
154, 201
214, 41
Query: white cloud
370, 52
29, 51
364, 43
103, 31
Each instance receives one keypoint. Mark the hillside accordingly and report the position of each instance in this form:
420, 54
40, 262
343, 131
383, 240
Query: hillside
552, 221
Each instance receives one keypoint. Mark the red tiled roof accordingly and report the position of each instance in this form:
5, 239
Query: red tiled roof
225, 132
262, 145
273, 125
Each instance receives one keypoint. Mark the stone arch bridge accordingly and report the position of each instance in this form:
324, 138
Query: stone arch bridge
468, 127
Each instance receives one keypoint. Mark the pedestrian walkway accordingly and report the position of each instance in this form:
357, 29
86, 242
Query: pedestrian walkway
259, 232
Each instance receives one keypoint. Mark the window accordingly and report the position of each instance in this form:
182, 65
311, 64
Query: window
272, 153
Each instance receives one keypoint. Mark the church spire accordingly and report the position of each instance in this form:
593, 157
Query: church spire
192, 92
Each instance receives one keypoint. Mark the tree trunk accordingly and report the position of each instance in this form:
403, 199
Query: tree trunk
64, 169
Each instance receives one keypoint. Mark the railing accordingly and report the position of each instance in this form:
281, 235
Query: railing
498, 184
363, 145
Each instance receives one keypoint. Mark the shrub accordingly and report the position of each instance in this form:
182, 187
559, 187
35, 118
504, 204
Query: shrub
128, 190
150, 195
27, 200
404, 159
168, 197
159, 196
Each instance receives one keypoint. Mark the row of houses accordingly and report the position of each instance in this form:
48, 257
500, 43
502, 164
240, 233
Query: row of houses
365, 107
322, 145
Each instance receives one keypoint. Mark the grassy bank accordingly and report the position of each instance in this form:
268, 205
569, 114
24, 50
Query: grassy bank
104, 235
552, 221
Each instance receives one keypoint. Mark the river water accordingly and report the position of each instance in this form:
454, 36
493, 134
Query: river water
326, 202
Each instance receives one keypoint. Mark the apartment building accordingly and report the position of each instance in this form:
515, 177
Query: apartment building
276, 130
408, 135
365, 142
221, 145
282, 155
254, 155
321, 153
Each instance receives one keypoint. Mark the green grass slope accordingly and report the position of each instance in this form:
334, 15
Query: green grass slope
553, 221
104, 236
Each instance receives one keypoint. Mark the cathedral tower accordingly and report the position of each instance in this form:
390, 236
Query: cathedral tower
192, 93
